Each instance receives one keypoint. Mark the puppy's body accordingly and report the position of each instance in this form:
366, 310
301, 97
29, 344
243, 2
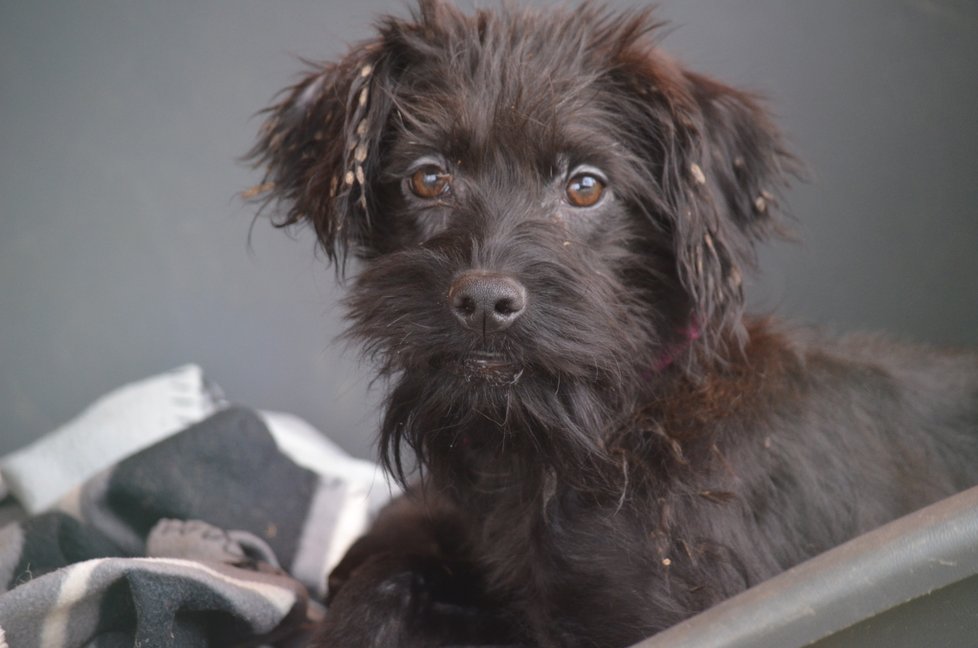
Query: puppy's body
798, 447
555, 220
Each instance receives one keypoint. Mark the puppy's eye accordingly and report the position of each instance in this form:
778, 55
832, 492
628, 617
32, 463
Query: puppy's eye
430, 182
585, 190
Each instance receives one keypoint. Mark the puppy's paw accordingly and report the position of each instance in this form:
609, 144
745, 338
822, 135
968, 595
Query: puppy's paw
410, 602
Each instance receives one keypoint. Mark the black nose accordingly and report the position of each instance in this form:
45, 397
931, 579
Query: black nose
486, 301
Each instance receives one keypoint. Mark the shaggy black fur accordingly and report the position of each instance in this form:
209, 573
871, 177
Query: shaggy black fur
607, 445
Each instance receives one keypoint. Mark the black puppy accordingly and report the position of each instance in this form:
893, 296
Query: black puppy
554, 220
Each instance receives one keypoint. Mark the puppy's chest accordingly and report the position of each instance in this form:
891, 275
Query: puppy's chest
548, 539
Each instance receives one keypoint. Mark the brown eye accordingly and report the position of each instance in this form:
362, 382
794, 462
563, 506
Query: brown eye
585, 190
430, 182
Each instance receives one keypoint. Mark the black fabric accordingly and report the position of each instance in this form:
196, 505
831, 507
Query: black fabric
57, 540
207, 501
208, 472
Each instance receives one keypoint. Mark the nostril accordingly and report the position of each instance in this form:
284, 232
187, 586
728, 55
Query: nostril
509, 306
505, 307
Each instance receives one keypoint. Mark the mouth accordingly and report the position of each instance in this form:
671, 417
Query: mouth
494, 369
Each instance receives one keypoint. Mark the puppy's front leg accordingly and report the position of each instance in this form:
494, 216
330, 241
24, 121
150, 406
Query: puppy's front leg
409, 583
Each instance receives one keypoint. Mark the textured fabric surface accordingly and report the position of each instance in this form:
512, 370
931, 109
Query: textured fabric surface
212, 536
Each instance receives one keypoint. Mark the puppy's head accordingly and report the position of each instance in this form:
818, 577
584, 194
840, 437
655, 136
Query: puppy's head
550, 211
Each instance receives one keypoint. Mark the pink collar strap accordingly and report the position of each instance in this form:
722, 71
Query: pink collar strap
689, 334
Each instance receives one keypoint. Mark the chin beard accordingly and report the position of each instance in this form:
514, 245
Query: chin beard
486, 415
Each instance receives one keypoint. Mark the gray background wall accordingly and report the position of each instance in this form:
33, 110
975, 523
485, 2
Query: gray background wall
123, 246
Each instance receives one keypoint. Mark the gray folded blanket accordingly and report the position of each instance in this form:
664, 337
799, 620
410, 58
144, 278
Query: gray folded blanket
211, 537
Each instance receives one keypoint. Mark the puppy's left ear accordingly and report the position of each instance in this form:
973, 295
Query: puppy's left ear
319, 148
719, 163
733, 165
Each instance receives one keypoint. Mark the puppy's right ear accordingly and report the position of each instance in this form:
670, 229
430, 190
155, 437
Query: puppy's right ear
319, 148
